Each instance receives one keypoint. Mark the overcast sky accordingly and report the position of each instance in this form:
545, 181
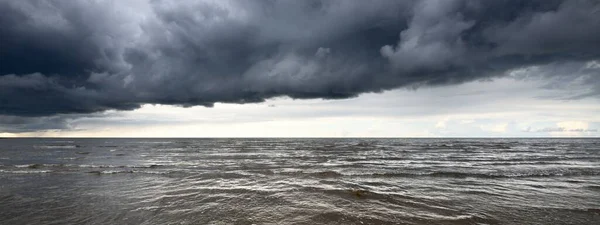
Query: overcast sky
287, 68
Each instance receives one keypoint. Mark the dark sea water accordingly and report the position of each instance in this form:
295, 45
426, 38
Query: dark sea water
299, 181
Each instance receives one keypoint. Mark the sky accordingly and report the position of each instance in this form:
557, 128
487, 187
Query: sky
314, 68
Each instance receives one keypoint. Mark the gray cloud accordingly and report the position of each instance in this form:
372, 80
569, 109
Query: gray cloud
18, 124
576, 80
61, 57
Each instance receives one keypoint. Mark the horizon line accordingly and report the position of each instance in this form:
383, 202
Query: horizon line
266, 137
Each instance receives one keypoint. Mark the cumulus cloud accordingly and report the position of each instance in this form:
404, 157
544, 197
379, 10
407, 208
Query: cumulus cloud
497, 128
560, 129
79, 57
565, 126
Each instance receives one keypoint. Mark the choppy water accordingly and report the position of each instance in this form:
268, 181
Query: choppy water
299, 181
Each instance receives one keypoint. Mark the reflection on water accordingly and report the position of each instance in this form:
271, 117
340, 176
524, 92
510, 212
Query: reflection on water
299, 181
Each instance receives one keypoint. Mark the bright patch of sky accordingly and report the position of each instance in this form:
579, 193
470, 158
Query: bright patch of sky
502, 107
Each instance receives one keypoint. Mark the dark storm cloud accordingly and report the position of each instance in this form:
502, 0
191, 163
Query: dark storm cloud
59, 57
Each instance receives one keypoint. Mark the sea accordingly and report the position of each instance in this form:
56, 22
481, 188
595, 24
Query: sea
299, 181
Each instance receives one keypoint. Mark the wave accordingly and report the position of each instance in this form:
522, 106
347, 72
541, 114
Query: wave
154, 142
25, 171
108, 146
56, 146
37, 165
517, 163
465, 219
593, 187
99, 172
490, 175
476, 173
321, 174
442, 174
108, 172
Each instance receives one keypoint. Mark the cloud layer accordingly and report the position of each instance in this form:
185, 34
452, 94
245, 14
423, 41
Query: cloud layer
73, 57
